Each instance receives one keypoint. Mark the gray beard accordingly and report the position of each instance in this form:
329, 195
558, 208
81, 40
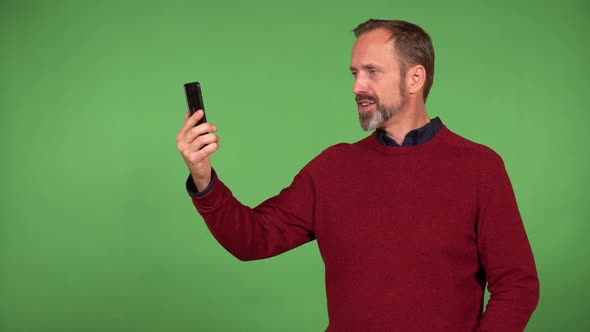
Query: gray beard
371, 120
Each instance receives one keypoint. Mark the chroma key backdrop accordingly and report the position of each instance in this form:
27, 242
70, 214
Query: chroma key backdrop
97, 232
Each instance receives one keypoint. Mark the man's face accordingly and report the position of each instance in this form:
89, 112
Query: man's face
378, 87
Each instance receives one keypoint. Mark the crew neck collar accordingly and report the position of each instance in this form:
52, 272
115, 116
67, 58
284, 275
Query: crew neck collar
372, 142
413, 137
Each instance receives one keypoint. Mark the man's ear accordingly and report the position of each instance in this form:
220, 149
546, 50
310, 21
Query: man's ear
415, 79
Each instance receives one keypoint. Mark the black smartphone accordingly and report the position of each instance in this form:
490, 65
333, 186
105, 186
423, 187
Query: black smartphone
194, 99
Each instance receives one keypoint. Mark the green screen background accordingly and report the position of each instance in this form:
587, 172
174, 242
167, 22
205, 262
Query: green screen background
97, 232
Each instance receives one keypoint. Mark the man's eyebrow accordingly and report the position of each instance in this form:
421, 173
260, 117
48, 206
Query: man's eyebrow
367, 66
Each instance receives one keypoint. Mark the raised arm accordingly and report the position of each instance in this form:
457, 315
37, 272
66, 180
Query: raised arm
279, 224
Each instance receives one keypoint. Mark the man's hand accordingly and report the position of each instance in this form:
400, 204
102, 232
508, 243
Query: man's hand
196, 144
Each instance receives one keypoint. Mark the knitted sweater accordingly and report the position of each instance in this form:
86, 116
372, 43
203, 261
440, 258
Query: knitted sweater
409, 236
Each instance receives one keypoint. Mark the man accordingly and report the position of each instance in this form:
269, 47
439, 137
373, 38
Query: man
411, 222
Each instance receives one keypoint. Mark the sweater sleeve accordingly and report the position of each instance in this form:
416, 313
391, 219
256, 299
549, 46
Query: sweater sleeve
279, 224
505, 254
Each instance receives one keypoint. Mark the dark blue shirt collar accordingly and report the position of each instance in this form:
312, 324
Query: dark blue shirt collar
414, 137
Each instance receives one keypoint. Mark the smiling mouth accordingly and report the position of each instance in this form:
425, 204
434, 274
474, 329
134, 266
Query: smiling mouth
364, 106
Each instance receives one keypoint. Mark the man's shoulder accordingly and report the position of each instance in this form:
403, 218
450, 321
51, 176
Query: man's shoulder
345, 148
336, 154
333, 152
467, 148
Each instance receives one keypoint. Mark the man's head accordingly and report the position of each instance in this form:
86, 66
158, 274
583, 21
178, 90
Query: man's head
391, 61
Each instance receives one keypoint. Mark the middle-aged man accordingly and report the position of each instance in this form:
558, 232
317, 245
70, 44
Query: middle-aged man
411, 221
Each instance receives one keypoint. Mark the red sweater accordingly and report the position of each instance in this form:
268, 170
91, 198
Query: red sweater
409, 235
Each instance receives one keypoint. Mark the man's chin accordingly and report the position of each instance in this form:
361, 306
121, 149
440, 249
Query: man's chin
370, 120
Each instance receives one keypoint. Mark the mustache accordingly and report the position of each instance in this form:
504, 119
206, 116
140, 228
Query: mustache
362, 97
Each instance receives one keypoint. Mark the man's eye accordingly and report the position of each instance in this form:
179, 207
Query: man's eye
354, 73
373, 71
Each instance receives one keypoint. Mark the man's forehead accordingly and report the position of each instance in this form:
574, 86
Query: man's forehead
377, 37
373, 46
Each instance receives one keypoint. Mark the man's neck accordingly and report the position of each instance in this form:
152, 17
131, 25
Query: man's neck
404, 121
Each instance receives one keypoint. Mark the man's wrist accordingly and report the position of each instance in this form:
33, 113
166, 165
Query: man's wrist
201, 183
192, 188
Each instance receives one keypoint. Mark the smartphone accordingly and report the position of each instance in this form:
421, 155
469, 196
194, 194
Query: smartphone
194, 99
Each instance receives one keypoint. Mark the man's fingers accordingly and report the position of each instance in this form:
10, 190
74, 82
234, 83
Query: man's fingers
189, 123
189, 148
193, 119
201, 141
203, 153
199, 130
210, 148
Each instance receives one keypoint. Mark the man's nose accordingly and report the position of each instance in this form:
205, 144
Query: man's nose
360, 86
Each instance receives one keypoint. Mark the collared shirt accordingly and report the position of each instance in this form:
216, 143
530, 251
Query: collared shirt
413, 137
